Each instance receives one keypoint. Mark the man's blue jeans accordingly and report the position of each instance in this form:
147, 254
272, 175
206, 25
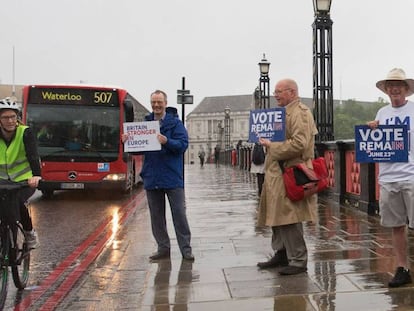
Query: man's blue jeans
156, 203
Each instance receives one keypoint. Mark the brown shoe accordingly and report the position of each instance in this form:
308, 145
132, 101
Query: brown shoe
291, 270
160, 255
188, 256
278, 260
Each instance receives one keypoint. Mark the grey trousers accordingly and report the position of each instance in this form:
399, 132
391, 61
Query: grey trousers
290, 238
156, 203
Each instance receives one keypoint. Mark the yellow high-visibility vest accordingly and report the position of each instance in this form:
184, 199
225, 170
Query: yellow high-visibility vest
13, 161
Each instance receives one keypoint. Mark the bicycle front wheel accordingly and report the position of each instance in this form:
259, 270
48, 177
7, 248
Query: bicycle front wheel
4, 270
20, 258
4, 279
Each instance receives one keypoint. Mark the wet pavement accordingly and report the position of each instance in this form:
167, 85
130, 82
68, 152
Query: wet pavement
350, 259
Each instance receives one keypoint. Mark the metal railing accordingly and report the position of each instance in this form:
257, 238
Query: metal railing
350, 183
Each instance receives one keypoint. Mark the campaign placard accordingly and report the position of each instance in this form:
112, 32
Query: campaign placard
267, 123
142, 136
386, 143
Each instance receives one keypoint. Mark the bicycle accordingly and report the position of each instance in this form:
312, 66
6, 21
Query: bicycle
13, 249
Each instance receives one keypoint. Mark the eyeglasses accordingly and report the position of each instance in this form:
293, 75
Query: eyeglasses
277, 92
391, 84
6, 118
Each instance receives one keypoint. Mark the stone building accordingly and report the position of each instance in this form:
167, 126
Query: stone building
7, 90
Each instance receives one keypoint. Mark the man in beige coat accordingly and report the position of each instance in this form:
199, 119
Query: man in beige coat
276, 210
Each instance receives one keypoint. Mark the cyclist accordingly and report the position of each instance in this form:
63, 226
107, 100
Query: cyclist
19, 161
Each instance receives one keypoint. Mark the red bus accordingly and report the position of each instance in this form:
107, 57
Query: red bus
78, 128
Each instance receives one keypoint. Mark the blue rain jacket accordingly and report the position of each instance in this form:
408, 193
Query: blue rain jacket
163, 169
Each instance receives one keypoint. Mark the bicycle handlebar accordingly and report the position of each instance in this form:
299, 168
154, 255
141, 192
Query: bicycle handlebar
11, 185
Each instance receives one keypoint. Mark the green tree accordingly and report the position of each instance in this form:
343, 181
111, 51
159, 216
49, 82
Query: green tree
352, 113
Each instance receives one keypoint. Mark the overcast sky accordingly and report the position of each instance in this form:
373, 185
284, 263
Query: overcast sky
143, 45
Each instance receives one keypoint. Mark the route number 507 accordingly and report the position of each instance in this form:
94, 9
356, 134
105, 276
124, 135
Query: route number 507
102, 97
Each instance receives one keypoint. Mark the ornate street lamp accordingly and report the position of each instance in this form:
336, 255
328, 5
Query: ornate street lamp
322, 6
227, 127
264, 96
322, 70
219, 145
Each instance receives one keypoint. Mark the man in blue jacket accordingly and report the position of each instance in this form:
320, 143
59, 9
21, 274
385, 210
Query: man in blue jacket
162, 174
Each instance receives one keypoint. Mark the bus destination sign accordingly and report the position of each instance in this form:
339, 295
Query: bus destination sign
78, 96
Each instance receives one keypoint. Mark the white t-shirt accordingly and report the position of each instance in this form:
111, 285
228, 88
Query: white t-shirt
398, 171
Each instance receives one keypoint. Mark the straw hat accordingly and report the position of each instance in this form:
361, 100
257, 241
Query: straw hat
397, 74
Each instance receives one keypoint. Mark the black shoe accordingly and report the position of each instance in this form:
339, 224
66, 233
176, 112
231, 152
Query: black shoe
278, 260
160, 255
401, 277
291, 270
188, 256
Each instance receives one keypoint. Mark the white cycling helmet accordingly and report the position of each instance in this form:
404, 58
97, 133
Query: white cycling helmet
9, 103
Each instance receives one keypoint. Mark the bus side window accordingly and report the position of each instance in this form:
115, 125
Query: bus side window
129, 111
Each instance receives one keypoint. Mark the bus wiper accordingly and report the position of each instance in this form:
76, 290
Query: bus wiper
90, 149
48, 155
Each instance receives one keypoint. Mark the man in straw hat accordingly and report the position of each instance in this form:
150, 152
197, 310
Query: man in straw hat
396, 179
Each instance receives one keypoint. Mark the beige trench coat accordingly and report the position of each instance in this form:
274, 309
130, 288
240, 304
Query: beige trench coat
275, 209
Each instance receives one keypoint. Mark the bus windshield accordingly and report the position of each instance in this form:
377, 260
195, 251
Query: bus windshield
82, 133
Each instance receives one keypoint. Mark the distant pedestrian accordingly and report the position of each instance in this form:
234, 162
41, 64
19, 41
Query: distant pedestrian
201, 156
257, 165
162, 173
275, 209
233, 156
217, 155
396, 179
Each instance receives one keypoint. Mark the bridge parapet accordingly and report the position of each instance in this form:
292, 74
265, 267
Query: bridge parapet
350, 183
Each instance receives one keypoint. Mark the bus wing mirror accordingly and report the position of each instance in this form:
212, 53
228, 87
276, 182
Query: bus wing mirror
129, 111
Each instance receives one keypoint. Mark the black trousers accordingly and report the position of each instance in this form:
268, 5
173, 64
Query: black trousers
22, 196
260, 181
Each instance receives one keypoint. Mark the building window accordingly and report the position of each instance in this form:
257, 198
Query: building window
218, 124
242, 125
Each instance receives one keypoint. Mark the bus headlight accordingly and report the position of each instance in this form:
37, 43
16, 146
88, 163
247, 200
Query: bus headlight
115, 177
